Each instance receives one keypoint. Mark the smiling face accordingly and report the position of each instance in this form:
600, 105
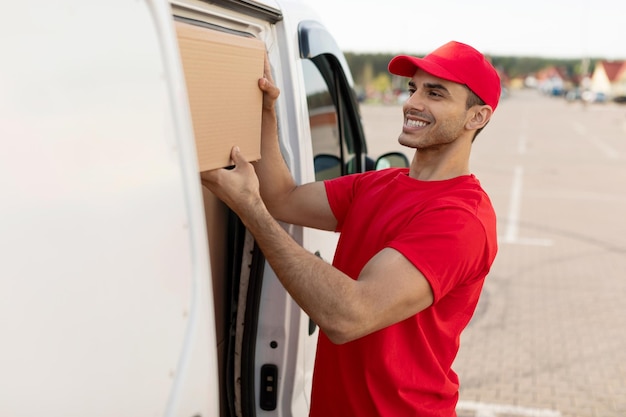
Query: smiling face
435, 114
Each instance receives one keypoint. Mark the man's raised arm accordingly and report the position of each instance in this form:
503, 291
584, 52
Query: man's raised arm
305, 205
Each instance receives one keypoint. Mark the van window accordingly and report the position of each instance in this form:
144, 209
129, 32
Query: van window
329, 104
323, 123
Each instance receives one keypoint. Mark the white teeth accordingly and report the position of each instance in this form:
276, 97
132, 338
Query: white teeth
415, 123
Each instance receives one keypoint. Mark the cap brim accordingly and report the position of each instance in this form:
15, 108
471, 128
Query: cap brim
406, 66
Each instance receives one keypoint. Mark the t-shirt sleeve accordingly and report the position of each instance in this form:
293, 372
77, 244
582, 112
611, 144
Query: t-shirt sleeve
340, 193
447, 245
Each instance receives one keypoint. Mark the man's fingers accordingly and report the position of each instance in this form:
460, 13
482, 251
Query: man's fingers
267, 68
269, 88
209, 177
240, 161
213, 176
266, 84
236, 156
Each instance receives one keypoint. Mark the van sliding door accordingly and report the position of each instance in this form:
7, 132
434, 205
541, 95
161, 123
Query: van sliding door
236, 262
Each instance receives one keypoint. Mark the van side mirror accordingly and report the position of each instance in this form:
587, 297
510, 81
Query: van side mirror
326, 167
329, 166
392, 160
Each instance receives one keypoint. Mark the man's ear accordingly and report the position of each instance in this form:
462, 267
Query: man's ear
480, 117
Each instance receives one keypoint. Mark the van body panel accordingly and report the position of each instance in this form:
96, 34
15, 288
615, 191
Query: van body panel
104, 302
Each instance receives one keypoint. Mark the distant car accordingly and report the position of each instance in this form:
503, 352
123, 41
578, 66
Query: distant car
588, 96
573, 95
620, 99
600, 97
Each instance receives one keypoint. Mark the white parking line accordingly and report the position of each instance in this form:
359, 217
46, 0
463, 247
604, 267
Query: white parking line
511, 234
492, 410
515, 203
606, 149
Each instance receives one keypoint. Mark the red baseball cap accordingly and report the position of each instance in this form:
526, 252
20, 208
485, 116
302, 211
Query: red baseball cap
455, 62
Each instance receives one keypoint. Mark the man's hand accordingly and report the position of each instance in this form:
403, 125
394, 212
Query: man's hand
237, 187
267, 85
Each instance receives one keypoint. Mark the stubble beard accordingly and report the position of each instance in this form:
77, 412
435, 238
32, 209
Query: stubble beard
441, 135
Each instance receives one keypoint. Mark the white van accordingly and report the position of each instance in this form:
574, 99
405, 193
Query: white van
126, 289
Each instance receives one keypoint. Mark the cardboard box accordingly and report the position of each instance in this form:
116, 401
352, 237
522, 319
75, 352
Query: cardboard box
222, 73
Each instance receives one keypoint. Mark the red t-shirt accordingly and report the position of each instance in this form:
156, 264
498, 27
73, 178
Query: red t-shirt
447, 229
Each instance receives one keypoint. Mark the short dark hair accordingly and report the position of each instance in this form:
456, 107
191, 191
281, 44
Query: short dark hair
474, 100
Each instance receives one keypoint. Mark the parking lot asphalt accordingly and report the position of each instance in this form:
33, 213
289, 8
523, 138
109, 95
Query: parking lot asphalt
548, 338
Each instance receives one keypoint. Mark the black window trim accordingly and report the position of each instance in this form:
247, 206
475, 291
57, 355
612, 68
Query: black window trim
317, 45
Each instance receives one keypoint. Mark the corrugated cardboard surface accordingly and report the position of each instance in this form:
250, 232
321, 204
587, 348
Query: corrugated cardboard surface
222, 73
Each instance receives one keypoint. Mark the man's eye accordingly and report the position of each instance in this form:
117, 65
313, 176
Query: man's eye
435, 94
411, 91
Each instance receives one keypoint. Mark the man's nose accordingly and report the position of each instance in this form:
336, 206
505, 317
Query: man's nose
414, 101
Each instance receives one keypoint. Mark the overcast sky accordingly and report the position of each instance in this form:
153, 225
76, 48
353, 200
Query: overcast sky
545, 28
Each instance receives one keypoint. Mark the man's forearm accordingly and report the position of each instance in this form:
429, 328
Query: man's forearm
276, 181
321, 290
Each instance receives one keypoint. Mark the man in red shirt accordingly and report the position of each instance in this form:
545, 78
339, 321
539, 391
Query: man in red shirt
414, 250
